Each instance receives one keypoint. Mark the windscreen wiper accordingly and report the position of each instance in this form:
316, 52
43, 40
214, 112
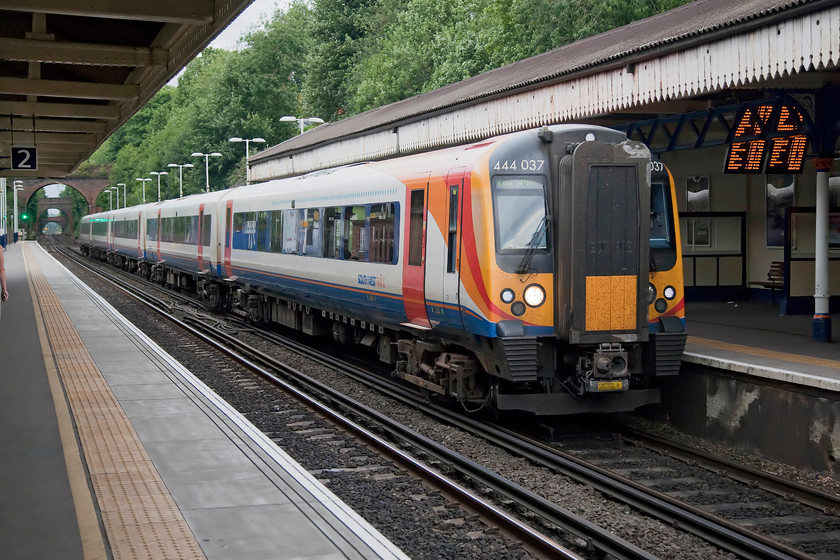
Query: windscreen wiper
536, 240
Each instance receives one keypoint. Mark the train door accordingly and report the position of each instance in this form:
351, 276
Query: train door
141, 236
228, 235
443, 279
607, 201
201, 235
414, 271
159, 227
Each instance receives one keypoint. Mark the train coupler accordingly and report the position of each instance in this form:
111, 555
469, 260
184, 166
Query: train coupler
604, 370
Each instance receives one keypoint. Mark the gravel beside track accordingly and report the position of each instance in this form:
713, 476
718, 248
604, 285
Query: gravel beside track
422, 522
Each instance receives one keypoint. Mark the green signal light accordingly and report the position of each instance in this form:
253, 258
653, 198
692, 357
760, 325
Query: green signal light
23, 216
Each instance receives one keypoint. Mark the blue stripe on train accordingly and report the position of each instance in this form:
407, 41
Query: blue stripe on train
378, 307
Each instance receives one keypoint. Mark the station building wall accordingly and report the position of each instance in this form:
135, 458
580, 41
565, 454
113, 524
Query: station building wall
713, 259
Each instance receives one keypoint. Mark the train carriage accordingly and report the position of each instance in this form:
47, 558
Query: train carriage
536, 271
181, 240
319, 247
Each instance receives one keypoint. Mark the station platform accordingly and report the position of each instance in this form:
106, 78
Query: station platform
752, 338
109, 448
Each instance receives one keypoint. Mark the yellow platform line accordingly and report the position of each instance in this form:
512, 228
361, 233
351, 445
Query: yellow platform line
140, 517
808, 360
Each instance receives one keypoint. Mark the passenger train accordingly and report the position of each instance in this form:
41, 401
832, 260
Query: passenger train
537, 271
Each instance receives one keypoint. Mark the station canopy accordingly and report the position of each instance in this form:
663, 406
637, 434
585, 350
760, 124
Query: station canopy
72, 72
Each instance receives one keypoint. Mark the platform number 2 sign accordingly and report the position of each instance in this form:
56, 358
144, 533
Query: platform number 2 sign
24, 158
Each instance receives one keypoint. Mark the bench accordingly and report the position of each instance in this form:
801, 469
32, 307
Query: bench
775, 279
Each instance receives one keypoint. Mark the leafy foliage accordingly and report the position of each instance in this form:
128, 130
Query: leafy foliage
332, 59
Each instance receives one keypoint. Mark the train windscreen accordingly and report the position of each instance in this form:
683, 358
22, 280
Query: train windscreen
663, 252
520, 211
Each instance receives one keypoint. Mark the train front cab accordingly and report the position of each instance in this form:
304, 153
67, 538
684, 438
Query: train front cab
602, 351
666, 294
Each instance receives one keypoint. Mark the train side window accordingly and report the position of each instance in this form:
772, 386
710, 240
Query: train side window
310, 232
276, 220
354, 233
228, 224
415, 227
381, 248
262, 225
238, 231
182, 229
332, 233
249, 231
663, 249
452, 237
100, 228
166, 230
660, 219
205, 230
192, 232
290, 229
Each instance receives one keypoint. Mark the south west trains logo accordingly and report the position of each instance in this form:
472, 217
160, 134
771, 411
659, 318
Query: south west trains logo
372, 281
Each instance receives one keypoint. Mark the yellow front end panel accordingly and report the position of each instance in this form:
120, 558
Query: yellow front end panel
611, 303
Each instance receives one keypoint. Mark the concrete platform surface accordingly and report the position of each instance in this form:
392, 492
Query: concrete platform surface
169, 469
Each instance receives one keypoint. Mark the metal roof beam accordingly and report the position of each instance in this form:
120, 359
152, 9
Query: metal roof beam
88, 54
49, 138
61, 88
51, 125
190, 12
77, 149
69, 110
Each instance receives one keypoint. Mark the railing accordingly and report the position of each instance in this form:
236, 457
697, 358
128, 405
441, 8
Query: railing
714, 251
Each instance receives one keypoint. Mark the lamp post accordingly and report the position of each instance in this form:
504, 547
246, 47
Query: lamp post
158, 173
247, 154
110, 199
18, 186
115, 188
143, 180
180, 167
302, 121
125, 196
206, 164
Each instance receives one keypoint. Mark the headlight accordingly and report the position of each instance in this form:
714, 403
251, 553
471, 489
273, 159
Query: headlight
534, 295
507, 295
651, 293
669, 292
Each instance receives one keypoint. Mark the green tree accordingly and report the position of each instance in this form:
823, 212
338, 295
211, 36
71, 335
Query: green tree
338, 29
332, 59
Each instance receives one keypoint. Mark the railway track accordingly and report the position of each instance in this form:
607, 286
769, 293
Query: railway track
605, 464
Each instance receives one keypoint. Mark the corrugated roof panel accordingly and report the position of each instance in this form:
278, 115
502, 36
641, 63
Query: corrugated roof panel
738, 36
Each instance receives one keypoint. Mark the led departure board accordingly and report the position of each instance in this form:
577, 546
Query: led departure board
787, 154
745, 157
779, 154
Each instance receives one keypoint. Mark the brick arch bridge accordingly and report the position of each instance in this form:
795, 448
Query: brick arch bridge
89, 188
65, 219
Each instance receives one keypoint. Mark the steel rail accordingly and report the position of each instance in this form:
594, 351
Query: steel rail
727, 535
258, 363
597, 537
812, 497
721, 532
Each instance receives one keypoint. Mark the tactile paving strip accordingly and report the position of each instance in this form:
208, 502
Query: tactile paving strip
140, 517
